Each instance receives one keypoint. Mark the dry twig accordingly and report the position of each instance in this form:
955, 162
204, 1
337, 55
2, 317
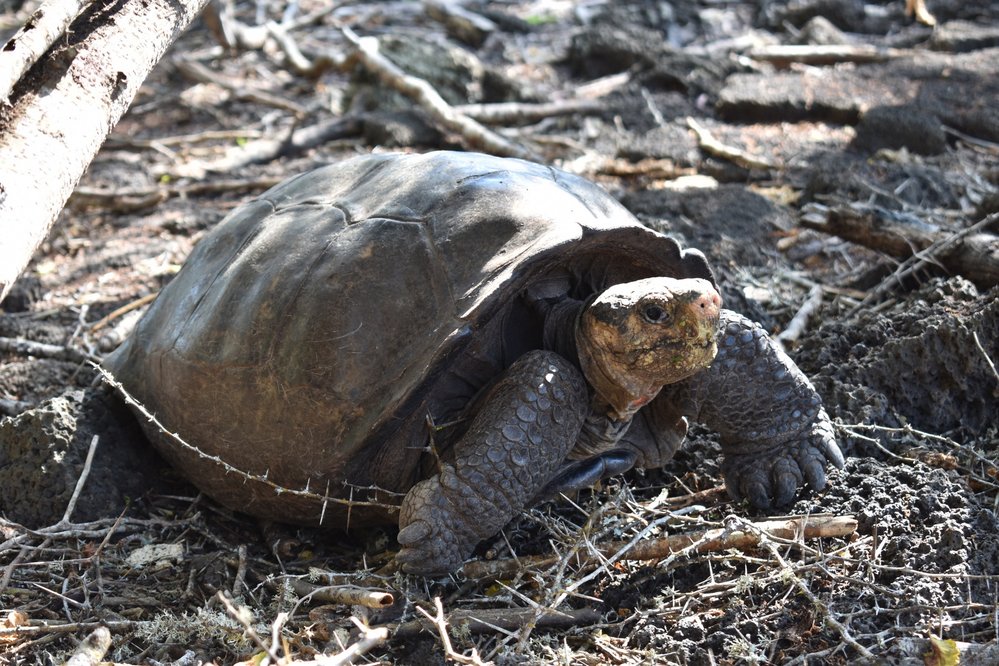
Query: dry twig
201, 74
43, 350
440, 622
244, 616
370, 638
917, 8
91, 651
507, 113
351, 595
703, 541
713, 146
265, 150
129, 199
799, 322
505, 619
971, 252
783, 55
84, 473
820, 606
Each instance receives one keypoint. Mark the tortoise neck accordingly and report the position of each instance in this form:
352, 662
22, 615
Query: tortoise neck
561, 321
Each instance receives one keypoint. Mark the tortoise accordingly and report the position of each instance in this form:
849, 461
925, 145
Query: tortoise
444, 339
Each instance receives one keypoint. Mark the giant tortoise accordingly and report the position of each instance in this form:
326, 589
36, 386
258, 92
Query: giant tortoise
443, 339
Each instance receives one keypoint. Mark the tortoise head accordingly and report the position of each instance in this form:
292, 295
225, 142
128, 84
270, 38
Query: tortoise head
636, 337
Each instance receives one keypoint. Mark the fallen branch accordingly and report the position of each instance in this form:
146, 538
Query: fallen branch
265, 150
35, 37
123, 310
24, 347
244, 616
799, 321
917, 9
119, 141
60, 115
782, 55
508, 113
138, 198
460, 23
473, 134
985, 355
197, 72
703, 541
713, 146
818, 604
36, 630
80, 482
971, 252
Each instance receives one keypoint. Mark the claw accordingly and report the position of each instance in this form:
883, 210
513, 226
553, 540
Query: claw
413, 533
833, 454
758, 496
787, 479
813, 465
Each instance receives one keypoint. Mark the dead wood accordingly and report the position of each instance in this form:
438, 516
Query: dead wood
713, 146
35, 37
473, 134
971, 252
783, 55
195, 71
507, 113
92, 649
702, 541
351, 595
799, 322
129, 199
440, 623
24, 347
462, 24
265, 150
63, 110
918, 10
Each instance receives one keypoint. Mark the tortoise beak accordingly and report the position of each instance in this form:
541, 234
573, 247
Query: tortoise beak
702, 310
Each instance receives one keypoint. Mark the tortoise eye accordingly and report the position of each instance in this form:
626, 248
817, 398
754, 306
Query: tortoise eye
654, 314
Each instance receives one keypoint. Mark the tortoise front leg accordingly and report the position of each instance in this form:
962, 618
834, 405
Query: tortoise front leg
775, 434
516, 443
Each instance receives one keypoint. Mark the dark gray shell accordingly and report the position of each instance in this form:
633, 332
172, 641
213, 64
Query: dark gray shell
315, 322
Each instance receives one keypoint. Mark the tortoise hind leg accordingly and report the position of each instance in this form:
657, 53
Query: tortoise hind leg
516, 444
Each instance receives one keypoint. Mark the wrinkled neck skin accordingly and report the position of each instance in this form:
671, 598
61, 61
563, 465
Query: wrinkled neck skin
605, 424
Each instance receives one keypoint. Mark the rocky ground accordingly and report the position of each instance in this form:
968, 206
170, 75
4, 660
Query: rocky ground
808, 147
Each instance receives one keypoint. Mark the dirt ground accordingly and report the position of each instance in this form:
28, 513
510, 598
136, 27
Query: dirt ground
691, 115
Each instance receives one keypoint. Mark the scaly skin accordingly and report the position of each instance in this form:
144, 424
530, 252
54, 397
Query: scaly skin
515, 444
775, 434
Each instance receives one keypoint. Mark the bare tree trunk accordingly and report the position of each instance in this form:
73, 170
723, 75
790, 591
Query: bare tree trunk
63, 108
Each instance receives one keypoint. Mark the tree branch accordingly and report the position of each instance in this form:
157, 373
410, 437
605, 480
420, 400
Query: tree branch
62, 111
